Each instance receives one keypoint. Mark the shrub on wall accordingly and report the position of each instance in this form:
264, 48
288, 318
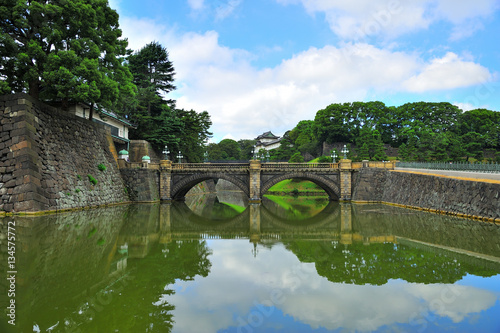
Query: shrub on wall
92, 179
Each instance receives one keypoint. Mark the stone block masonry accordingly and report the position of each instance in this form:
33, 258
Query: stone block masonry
46, 157
142, 184
437, 194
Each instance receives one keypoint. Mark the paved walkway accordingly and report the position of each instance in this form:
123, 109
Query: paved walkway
479, 176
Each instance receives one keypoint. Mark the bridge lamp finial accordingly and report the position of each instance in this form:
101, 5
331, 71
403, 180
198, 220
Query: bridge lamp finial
166, 152
180, 157
334, 156
345, 151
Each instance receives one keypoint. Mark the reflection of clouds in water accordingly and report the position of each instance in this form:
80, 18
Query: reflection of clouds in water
238, 282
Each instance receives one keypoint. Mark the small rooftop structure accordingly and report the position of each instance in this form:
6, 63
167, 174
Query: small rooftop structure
119, 126
267, 141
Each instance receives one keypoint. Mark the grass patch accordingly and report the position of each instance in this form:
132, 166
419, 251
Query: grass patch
288, 185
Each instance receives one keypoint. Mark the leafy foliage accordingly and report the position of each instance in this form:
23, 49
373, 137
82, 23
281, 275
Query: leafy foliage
296, 158
65, 52
227, 149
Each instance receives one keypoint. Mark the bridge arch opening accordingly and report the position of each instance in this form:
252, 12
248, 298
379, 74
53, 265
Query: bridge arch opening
327, 185
181, 188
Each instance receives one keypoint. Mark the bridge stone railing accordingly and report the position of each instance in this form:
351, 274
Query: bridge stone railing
302, 166
209, 166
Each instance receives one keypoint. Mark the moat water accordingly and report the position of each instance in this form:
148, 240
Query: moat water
218, 264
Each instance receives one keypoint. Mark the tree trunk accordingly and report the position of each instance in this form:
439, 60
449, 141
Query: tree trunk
33, 89
91, 111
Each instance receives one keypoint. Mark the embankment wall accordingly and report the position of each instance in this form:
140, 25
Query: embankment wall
47, 155
434, 193
142, 185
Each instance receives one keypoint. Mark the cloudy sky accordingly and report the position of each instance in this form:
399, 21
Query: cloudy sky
264, 65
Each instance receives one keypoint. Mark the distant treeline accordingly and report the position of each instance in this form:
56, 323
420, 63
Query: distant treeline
421, 131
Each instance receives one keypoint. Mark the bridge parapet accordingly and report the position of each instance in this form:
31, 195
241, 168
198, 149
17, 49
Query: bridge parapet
210, 166
300, 166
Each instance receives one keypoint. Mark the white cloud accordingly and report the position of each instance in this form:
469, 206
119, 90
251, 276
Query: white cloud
227, 9
446, 73
458, 11
470, 106
195, 4
143, 31
356, 19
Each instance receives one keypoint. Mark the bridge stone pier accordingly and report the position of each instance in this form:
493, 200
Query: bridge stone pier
256, 178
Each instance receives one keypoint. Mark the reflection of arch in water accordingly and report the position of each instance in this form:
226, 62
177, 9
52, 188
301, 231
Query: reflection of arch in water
328, 185
185, 220
185, 184
327, 219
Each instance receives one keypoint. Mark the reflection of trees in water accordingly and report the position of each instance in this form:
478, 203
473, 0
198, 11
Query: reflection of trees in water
294, 208
141, 304
375, 264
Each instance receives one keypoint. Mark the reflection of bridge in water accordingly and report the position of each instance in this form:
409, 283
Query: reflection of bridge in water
340, 223
258, 222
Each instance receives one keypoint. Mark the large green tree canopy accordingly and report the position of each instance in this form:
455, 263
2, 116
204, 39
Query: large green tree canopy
64, 51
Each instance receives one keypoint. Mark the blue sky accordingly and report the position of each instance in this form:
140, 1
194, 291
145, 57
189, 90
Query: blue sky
264, 65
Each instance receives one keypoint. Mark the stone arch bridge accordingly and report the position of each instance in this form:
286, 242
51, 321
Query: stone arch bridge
256, 178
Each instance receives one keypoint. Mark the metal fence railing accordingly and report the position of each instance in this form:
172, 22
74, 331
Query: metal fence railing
453, 166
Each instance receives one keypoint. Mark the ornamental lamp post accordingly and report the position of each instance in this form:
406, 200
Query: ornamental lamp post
334, 156
344, 151
180, 157
166, 152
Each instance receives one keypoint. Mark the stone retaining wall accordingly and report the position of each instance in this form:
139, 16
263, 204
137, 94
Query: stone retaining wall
446, 195
47, 155
142, 184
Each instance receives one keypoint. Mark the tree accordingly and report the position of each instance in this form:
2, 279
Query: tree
64, 52
473, 145
286, 149
371, 145
342, 122
153, 75
246, 149
296, 158
484, 122
214, 152
195, 133
157, 119
230, 148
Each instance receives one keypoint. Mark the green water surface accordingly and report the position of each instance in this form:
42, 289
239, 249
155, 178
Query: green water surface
216, 264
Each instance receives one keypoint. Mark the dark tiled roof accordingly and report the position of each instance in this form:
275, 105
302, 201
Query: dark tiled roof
267, 135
